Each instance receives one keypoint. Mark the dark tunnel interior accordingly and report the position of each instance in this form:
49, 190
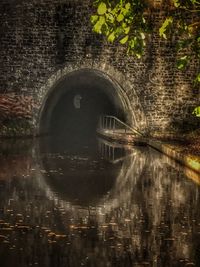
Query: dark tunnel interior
72, 112
77, 113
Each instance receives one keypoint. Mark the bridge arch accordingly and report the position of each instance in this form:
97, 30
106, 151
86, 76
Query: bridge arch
71, 86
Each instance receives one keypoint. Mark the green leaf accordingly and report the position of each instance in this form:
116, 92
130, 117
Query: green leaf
176, 3
120, 17
138, 55
182, 62
111, 37
126, 30
115, 11
165, 26
102, 8
124, 40
94, 19
110, 18
132, 43
183, 44
128, 6
126, 9
98, 26
196, 112
119, 31
142, 35
198, 78
194, 2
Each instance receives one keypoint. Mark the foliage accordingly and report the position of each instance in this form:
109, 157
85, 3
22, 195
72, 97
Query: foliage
196, 111
124, 22
129, 23
185, 23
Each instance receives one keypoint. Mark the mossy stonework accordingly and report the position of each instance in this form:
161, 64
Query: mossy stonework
43, 42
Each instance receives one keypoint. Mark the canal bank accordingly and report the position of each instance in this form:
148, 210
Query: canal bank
184, 150
178, 153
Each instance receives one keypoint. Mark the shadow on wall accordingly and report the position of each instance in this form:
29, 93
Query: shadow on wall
64, 17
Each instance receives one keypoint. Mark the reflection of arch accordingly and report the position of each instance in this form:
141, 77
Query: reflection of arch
87, 78
80, 178
129, 173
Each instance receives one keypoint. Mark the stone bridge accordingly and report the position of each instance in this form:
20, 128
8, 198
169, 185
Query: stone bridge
49, 54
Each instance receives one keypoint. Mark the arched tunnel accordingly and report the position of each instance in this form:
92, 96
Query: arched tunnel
70, 116
73, 106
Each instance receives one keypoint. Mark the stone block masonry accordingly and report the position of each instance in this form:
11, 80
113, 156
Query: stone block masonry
42, 41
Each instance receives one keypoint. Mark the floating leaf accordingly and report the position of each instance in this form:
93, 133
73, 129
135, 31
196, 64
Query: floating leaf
101, 8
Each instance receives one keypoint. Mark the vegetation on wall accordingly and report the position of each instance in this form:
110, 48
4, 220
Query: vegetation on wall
128, 22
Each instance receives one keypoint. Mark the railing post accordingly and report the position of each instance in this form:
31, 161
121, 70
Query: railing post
113, 123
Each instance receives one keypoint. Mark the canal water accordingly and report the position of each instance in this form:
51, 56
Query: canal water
95, 205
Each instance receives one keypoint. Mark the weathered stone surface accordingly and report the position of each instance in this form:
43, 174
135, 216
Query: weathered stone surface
44, 40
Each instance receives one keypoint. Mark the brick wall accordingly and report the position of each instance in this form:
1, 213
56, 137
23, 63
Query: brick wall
43, 40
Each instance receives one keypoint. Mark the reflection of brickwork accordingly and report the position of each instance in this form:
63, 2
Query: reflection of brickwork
42, 37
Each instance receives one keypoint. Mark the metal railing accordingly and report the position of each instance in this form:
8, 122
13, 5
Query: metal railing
116, 125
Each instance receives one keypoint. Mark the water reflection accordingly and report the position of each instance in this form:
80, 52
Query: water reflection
128, 207
79, 173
